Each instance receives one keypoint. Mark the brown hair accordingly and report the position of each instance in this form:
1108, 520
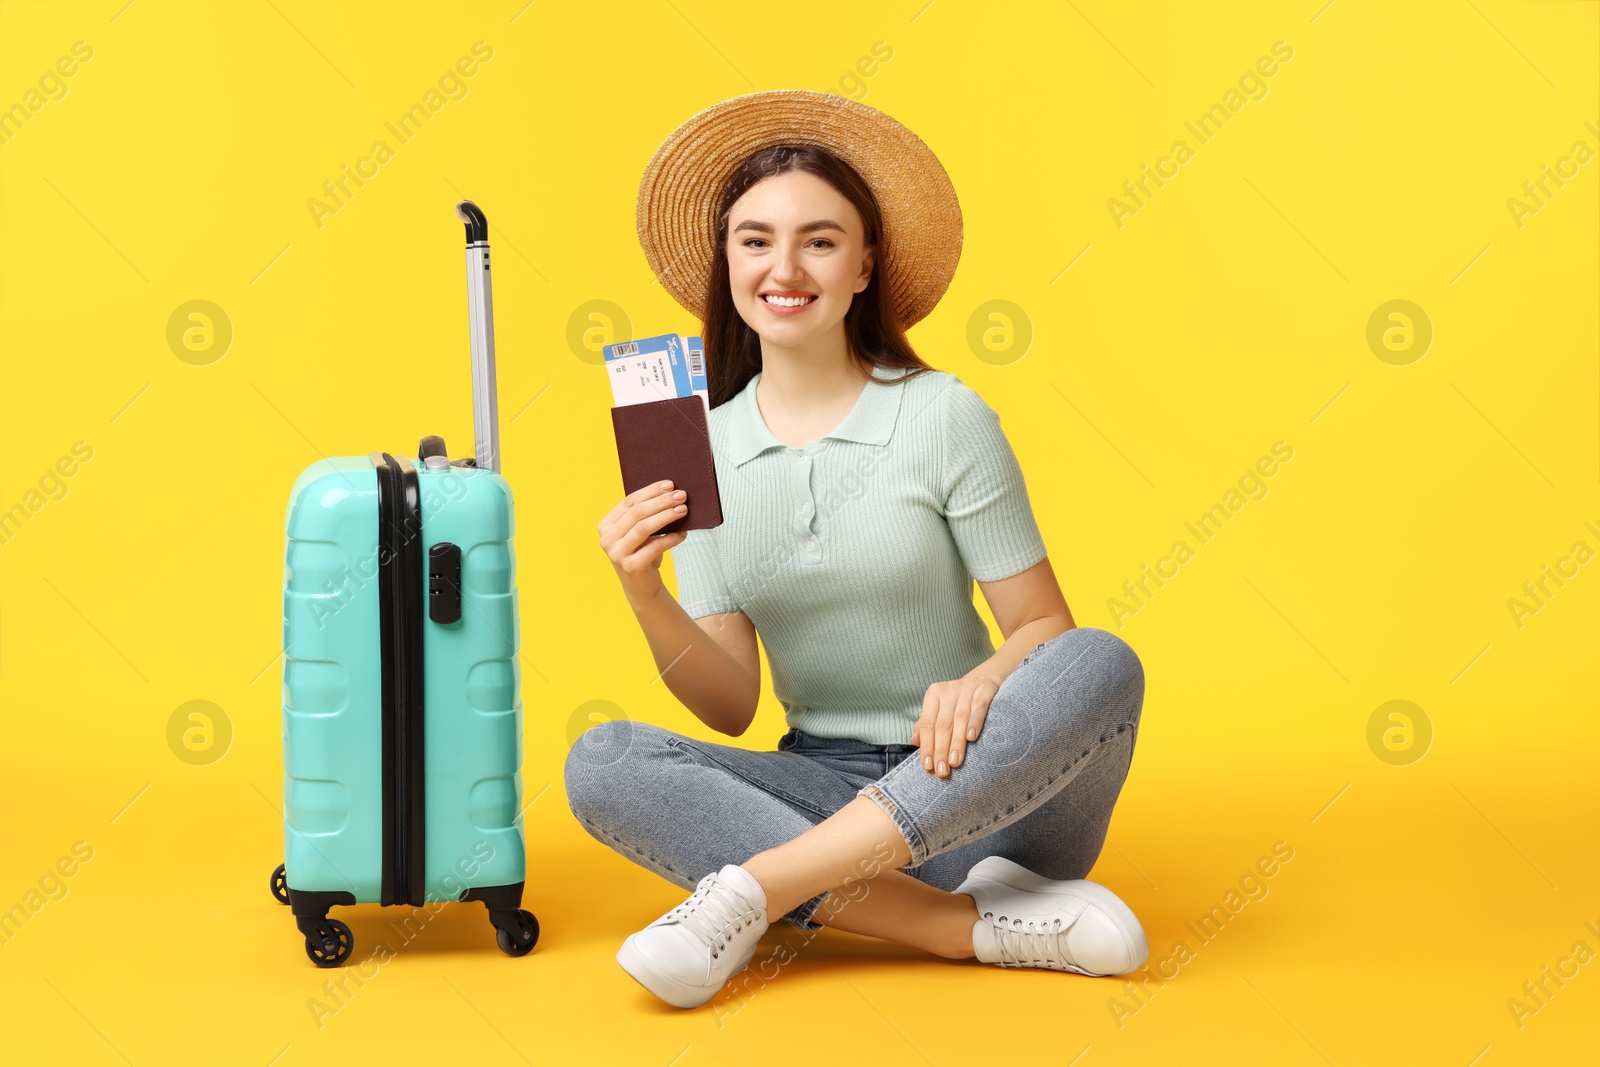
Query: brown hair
873, 333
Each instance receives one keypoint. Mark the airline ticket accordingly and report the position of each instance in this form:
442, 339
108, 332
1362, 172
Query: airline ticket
657, 368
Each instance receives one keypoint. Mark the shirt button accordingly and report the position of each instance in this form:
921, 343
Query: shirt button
805, 509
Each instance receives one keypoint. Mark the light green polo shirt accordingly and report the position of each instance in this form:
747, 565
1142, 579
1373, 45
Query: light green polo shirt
854, 556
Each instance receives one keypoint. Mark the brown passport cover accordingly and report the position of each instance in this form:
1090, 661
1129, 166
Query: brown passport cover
668, 440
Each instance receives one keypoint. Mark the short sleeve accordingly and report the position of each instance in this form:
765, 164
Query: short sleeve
982, 490
702, 590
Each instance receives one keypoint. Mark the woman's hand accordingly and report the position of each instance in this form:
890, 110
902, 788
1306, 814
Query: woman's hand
953, 713
628, 536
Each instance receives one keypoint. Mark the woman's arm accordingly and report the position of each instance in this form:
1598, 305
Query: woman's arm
713, 668
984, 499
1030, 610
710, 664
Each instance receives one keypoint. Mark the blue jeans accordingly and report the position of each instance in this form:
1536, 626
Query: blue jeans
1037, 786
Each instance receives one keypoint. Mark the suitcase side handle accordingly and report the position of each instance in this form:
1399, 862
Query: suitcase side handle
480, 318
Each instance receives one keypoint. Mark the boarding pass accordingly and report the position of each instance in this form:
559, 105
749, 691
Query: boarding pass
657, 368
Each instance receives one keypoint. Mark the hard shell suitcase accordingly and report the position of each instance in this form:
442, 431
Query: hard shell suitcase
402, 712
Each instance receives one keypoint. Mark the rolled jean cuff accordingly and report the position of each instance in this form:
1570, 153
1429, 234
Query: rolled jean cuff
801, 915
908, 829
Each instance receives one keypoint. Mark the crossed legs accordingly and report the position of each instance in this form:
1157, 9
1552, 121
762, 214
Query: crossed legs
854, 854
1045, 773
1037, 786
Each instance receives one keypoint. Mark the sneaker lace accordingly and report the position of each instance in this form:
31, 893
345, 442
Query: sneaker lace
1021, 944
713, 912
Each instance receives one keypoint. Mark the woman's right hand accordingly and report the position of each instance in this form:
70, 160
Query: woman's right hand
628, 536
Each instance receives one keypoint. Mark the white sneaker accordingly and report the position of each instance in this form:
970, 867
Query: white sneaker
1027, 920
687, 955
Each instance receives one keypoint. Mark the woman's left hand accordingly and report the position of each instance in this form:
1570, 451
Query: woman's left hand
953, 713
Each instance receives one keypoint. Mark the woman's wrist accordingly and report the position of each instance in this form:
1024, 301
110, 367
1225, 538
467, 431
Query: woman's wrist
1016, 648
648, 601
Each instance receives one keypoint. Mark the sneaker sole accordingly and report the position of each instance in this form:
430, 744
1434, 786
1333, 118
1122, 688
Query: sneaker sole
1009, 873
644, 971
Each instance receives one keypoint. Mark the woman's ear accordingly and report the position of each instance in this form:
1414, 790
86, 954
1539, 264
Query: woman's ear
865, 276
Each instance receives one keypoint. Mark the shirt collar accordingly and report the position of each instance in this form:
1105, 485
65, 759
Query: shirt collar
870, 422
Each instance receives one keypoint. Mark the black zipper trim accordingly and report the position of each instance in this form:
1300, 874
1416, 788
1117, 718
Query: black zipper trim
400, 577
386, 561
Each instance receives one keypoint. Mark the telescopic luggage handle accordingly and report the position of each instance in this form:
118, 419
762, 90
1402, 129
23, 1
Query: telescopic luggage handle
480, 312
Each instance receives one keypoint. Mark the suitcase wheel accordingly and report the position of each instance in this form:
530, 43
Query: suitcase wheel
329, 944
518, 938
280, 884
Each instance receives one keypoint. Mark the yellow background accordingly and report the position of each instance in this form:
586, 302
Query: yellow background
1230, 312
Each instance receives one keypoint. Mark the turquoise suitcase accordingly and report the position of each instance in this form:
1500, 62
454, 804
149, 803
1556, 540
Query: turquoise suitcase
402, 712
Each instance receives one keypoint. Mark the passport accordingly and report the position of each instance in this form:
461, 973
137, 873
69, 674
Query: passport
662, 440
661, 420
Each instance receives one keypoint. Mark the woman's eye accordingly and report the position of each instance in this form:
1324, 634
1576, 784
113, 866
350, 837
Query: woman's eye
757, 240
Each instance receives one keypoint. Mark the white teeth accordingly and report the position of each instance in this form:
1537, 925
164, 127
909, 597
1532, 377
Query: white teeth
788, 301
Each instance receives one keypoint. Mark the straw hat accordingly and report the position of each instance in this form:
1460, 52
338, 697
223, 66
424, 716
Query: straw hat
684, 181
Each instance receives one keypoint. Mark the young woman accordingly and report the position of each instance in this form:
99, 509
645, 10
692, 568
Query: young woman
931, 789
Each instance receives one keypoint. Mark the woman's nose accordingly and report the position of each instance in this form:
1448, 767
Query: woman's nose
788, 268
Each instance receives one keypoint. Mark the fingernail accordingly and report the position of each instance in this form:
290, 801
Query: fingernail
927, 763
942, 766
972, 735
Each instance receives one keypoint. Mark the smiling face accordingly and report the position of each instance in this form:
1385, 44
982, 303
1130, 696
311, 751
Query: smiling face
797, 256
